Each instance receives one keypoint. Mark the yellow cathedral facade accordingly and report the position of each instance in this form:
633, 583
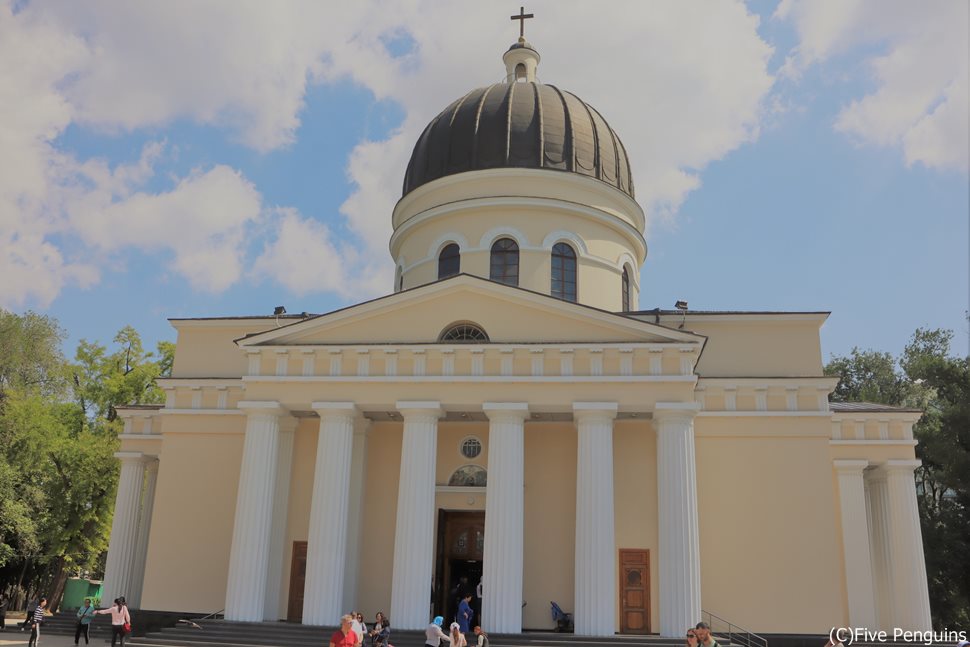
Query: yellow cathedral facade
506, 416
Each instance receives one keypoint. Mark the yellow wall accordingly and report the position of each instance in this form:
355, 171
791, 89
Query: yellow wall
758, 346
209, 349
550, 521
195, 501
769, 540
380, 516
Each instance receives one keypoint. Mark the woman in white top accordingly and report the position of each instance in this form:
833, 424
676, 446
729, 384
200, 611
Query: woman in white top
120, 620
457, 638
433, 634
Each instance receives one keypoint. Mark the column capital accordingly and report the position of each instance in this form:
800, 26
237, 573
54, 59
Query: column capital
419, 408
850, 466
901, 465
595, 410
265, 407
675, 411
135, 457
335, 409
890, 467
506, 410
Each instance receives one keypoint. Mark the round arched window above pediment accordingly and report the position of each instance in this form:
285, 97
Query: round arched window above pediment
464, 333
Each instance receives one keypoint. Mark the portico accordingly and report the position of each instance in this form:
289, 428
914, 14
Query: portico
595, 554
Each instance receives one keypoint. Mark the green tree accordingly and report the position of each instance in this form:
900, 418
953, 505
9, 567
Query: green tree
104, 379
58, 434
30, 356
869, 376
928, 377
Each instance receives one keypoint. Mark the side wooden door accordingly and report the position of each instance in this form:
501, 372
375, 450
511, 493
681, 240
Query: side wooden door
634, 591
294, 608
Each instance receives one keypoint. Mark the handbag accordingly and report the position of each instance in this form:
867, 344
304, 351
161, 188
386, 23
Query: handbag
127, 627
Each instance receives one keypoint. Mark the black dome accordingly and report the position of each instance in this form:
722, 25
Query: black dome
526, 125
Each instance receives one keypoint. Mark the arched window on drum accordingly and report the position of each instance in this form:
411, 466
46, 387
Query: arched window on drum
449, 261
563, 272
504, 265
626, 289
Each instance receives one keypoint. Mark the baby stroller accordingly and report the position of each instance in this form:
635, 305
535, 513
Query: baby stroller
563, 620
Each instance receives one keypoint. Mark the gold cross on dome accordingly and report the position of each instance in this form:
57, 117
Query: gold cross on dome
522, 17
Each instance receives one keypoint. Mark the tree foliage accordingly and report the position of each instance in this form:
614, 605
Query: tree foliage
58, 434
927, 376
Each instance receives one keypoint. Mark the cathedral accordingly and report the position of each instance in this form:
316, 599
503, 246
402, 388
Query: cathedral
506, 416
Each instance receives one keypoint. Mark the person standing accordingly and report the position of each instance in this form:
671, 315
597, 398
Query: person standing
84, 617
37, 619
433, 635
120, 620
345, 636
4, 600
356, 626
465, 613
477, 602
456, 636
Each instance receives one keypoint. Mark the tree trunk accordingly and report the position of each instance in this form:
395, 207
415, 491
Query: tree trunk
58, 582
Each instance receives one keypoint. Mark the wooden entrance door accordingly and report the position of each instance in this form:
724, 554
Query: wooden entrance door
634, 591
294, 608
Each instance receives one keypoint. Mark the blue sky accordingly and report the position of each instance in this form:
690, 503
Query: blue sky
790, 156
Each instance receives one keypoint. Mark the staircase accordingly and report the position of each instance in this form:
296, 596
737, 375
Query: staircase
219, 633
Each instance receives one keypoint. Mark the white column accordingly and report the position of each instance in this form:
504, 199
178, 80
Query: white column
911, 599
144, 528
124, 527
327, 541
414, 531
855, 542
252, 527
504, 516
595, 589
679, 547
281, 501
355, 513
877, 498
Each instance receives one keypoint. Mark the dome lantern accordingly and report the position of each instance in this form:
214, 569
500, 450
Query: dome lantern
521, 61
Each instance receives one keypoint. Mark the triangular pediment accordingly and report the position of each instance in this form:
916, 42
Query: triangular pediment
508, 315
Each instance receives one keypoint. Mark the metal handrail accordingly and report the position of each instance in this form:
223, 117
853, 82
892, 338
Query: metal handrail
194, 625
734, 633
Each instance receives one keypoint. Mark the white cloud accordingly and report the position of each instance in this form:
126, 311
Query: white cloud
201, 223
921, 73
682, 83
